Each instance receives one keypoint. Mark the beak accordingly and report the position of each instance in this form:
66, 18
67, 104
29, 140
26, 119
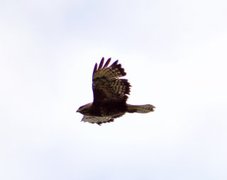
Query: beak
77, 110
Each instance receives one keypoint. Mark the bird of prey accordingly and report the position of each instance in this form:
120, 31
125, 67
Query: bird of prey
110, 93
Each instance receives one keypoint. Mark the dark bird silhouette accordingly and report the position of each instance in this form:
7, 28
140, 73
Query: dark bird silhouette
110, 94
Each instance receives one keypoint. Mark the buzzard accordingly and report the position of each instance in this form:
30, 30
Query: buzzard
110, 93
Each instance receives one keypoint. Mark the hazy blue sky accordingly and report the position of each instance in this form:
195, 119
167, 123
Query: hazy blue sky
175, 56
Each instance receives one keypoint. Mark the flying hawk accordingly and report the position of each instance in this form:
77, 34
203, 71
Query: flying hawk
110, 94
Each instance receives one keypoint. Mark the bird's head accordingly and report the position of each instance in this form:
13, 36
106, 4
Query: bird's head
85, 109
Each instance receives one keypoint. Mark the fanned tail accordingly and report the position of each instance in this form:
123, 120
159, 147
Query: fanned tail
140, 108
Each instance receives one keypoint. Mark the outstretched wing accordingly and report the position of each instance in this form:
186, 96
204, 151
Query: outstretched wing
106, 83
97, 119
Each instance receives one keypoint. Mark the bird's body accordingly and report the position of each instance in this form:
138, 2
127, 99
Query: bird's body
110, 95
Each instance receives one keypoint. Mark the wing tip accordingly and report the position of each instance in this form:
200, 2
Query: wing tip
95, 68
101, 63
115, 65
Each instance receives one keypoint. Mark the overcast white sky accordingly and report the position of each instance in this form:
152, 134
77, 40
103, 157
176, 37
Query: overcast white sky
174, 53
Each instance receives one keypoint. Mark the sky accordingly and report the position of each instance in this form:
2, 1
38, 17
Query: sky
174, 53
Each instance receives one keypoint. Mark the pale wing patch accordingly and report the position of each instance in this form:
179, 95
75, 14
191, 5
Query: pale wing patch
97, 119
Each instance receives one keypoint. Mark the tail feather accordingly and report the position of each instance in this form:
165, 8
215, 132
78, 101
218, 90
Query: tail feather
140, 108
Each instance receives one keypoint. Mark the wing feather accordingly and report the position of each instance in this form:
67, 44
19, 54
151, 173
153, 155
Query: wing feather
97, 119
101, 63
107, 63
107, 83
95, 68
